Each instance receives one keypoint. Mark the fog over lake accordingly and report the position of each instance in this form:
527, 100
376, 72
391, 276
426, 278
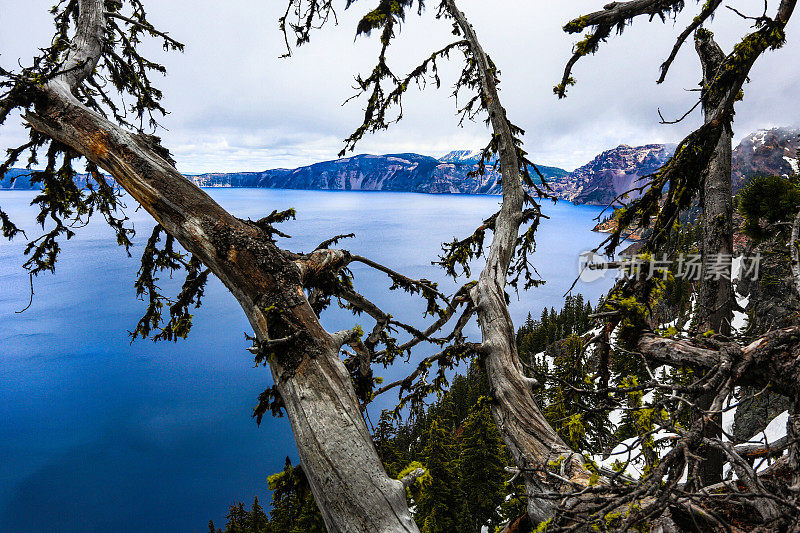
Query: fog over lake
99, 434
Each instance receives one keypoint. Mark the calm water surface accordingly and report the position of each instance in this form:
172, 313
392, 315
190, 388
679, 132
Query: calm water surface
98, 434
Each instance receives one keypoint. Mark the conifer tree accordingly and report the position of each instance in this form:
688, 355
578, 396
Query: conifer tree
482, 468
238, 519
459, 393
293, 507
385, 438
259, 523
442, 507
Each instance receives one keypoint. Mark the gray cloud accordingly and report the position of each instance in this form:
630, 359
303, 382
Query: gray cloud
236, 106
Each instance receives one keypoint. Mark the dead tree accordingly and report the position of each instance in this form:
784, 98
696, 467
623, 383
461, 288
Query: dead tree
346, 476
64, 100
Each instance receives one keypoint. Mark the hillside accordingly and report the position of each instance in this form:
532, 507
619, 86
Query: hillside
764, 152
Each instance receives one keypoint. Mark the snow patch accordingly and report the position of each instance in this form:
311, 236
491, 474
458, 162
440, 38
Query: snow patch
739, 321
629, 451
758, 139
728, 418
461, 155
792, 163
775, 430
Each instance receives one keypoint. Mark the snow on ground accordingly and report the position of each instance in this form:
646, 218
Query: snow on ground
775, 430
758, 139
728, 417
736, 268
623, 453
792, 163
739, 321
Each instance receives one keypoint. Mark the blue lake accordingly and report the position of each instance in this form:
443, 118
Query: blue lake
98, 434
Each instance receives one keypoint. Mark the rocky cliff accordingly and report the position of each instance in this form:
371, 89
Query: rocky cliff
766, 153
612, 173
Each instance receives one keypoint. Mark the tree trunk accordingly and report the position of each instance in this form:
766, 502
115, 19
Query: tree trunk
346, 476
715, 299
531, 440
715, 302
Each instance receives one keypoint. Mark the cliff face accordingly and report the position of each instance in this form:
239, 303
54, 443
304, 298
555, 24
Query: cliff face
401, 172
612, 173
16, 178
395, 172
766, 153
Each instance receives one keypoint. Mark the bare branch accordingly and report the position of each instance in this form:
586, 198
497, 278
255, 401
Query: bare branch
412, 476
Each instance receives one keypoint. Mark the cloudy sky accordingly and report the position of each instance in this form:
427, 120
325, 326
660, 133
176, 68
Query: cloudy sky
235, 105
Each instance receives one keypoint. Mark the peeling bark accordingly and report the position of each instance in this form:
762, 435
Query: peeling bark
346, 476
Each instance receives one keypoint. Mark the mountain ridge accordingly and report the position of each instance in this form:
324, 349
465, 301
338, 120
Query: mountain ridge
598, 182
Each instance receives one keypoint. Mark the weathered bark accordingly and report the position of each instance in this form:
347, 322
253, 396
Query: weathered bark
346, 476
715, 299
531, 440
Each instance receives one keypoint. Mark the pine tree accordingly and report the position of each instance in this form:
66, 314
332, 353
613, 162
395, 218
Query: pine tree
259, 523
442, 507
238, 519
459, 393
293, 507
384, 439
482, 468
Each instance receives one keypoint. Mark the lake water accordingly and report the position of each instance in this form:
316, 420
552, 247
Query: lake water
98, 434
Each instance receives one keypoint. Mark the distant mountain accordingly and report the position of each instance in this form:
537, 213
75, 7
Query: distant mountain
598, 182
612, 173
764, 152
16, 178
462, 156
393, 172
20, 179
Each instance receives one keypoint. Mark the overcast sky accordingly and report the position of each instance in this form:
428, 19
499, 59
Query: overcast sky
235, 105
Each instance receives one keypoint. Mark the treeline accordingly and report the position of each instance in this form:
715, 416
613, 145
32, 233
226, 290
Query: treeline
465, 487
536, 335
